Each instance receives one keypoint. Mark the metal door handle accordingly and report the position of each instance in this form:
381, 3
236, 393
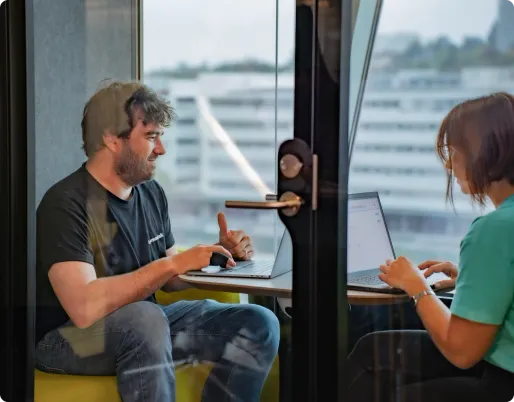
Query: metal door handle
289, 203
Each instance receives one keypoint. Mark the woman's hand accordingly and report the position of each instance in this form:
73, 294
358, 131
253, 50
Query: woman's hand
449, 269
403, 274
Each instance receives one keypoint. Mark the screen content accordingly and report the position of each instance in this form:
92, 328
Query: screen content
368, 242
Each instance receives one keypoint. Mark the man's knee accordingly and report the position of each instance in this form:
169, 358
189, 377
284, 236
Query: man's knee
143, 322
255, 342
263, 326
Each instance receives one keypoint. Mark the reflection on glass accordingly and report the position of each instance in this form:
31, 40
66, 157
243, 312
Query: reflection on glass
233, 93
426, 59
423, 63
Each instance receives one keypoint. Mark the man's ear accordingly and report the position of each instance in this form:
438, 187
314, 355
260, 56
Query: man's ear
111, 141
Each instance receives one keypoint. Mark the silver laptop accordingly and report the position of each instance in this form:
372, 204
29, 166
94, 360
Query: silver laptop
369, 245
262, 269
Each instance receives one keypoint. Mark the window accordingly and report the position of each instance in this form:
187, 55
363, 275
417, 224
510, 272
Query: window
392, 148
229, 124
397, 126
188, 161
96, 43
383, 104
186, 100
230, 78
187, 141
386, 170
186, 122
424, 62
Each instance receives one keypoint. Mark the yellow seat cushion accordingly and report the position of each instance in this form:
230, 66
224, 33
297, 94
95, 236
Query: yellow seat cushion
190, 383
74, 388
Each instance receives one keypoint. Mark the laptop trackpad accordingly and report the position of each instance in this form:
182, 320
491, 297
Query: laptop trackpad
211, 270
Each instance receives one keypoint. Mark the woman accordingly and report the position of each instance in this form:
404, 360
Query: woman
467, 351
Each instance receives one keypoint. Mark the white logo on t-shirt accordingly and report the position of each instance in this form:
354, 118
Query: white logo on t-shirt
159, 236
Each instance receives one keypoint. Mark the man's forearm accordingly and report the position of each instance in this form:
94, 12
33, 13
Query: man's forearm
105, 295
175, 284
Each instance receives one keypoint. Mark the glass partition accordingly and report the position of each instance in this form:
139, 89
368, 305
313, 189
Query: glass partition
232, 89
427, 58
419, 71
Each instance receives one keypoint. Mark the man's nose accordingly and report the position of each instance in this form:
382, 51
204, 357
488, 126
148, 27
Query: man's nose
159, 147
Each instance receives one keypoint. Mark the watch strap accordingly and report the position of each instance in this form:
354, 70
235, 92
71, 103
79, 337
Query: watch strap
419, 295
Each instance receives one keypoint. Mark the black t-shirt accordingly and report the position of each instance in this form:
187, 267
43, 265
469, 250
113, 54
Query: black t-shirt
79, 220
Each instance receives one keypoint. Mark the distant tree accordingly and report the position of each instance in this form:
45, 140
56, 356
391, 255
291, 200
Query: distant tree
472, 42
414, 50
250, 65
440, 53
441, 43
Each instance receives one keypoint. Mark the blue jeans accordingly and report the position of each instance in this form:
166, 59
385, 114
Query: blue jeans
141, 343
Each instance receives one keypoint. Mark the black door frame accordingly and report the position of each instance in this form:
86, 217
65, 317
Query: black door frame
17, 158
319, 229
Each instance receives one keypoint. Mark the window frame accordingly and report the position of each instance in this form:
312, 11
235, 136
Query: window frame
18, 248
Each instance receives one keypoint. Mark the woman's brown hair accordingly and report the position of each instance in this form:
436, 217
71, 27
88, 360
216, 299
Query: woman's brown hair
482, 129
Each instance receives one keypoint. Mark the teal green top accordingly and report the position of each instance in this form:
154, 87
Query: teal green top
484, 291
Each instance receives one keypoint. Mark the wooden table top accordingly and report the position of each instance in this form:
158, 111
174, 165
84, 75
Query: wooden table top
281, 286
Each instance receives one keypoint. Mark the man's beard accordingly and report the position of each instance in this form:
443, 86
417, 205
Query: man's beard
132, 168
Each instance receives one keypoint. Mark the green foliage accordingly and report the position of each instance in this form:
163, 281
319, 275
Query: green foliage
440, 53
444, 55
184, 70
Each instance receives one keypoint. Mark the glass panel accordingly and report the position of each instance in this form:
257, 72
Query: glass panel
228, 70
426, 59
407, 95
364, 30
94, 42
233, 92
103, 233
79, 46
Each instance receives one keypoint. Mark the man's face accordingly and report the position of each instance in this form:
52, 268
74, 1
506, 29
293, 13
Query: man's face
136, 162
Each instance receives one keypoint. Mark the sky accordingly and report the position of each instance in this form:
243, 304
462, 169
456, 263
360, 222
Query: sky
196, 31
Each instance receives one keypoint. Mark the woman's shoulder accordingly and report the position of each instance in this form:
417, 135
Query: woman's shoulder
497, 225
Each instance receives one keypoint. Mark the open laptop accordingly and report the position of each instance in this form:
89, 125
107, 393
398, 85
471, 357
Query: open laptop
262, 269
369, 245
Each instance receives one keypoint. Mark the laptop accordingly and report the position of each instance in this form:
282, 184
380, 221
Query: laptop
261, 269
369, 245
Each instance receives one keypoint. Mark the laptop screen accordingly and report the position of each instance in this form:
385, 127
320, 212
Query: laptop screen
368, 240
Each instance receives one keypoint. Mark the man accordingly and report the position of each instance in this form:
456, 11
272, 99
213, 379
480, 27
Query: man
104, 246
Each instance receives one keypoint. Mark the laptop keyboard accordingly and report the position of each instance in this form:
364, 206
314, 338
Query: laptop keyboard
257, 268
374, 280
371, 280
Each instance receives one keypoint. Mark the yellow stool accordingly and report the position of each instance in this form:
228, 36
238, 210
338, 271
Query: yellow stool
75, 388
190, 379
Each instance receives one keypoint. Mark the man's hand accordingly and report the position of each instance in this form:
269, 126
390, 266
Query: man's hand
235, 241
198, 257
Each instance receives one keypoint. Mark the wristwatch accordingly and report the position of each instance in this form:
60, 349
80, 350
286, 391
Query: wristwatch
418, 296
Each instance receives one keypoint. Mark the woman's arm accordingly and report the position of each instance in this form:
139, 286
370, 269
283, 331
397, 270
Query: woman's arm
464, 343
